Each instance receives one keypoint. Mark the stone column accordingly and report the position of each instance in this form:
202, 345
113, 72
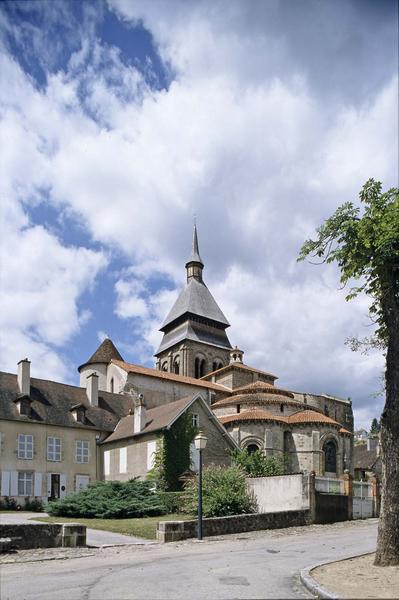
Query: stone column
268, 442
316, 452
348, 491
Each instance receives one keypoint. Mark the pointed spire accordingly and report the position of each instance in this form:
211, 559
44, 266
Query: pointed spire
194, 264
195, 255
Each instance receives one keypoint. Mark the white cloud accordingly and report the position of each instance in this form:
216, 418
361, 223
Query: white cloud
244, 138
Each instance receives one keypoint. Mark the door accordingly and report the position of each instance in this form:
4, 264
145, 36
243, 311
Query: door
54, 486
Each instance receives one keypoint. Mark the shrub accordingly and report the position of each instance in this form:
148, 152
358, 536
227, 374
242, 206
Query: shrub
34, 505
111, 500
9, 504
173, 501
224, 492
257, 464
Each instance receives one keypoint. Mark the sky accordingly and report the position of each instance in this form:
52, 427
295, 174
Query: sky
122, 119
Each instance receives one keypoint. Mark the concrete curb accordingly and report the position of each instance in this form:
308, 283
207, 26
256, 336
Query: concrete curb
314, 587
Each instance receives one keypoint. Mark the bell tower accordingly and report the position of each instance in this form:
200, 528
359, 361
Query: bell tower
195, 341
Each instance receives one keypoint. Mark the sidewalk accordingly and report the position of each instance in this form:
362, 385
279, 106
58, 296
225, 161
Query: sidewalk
95, 538
352, 578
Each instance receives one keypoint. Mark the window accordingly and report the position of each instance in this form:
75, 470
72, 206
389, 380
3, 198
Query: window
82, 451
195, 420
176, 365
199, 367
326, 411
25, 483
330, 457
123, 460
164, 366
282, 408
25, 446
107, 462
53, 449
111, 385
251, 448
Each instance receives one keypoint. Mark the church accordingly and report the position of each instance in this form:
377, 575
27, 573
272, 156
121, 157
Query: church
57, 438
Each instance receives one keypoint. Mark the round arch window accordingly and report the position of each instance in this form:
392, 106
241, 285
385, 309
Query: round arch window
251, 448
330, 457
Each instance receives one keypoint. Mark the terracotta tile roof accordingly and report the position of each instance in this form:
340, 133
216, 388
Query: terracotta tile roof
266, 397
156, 418
139, 370
311, 416
104, 354
241, 366
305, 416
251, 415
345, 431
51, 403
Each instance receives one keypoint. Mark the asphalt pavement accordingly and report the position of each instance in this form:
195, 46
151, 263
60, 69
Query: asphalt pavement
252, 565
94, 537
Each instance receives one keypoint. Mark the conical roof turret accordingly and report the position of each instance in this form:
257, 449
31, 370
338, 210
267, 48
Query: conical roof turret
195, 255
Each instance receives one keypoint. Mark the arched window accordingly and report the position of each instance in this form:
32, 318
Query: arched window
202, 367
330, 457
282, 408
176, 365
164, 366
197, 368
326, 411
251, 448
217, 364
111, 385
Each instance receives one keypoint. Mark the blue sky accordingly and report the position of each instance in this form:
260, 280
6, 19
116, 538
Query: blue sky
120, 120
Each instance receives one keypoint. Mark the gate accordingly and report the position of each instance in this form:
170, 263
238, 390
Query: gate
362, 500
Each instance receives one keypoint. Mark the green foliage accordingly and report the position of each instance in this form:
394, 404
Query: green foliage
172, 457
375, 426
257, 464
224, 492
34, 505
173, 501
110, 499
365, 247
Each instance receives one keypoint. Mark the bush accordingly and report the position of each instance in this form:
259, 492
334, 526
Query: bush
173, 501
257, 464
34, 505
224, 492
111, 500
9, 504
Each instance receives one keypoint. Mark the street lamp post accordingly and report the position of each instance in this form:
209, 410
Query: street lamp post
200, 441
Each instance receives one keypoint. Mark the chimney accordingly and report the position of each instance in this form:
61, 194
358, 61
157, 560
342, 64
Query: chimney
140, 419
24, 376
92, 389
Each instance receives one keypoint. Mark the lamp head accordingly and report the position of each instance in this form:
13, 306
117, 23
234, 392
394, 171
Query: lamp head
200, 441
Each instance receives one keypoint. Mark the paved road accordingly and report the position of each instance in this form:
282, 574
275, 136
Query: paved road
94, 537
253, 565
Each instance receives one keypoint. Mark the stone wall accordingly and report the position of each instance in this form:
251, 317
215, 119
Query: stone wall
174, 531
44, 535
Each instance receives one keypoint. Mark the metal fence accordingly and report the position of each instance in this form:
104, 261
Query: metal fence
329, 485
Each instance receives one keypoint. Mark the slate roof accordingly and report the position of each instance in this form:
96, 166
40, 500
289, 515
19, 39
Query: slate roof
195, 298
156, 419
363, 458
189, 330
104, 354
162, 417
51, 403
139, 370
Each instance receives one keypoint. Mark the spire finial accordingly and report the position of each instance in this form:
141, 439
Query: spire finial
195, 265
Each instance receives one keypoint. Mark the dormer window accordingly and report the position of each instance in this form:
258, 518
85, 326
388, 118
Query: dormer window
23, 405
78, 413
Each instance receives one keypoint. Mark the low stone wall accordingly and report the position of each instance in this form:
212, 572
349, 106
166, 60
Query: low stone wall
44, 535
174, 531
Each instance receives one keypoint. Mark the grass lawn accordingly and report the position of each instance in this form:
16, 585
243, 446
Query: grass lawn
144, 527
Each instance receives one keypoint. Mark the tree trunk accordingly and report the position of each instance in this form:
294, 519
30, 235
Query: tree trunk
388, 531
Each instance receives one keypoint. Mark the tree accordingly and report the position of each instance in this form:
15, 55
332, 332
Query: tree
364, 243
375, 427
257, 464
